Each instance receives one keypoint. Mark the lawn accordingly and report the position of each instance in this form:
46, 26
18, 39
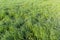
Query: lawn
29, 19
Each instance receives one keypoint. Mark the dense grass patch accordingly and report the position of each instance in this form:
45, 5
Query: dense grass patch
29, 20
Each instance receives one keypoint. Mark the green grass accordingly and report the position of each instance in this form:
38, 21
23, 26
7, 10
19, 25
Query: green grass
29, 20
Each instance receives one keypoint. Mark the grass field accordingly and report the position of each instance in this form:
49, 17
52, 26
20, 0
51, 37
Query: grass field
29, 19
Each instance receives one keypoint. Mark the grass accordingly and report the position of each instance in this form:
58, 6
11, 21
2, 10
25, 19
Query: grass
29, 20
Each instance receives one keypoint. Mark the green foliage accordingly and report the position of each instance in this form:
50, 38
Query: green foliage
29, 20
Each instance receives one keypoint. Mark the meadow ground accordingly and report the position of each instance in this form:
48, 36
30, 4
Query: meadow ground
29, 19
